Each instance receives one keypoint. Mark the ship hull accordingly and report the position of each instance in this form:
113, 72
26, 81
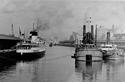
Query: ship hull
31, 55
9, 54
7, 44
88, 55
114, 54
14, 56
8, 41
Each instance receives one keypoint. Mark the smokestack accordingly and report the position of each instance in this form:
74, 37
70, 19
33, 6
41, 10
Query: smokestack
19, 32
108, 37
12, 30
96, 35
34, 36
84, 29
84, 32
92, 31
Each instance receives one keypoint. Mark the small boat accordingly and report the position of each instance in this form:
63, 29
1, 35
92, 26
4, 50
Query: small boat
110, 51
106, 48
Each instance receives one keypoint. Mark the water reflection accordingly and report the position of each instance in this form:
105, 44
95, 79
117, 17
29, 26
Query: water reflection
30, 69
107, 71
6, 68
89, 70
31, 59
57, 66
13, 68
114, 69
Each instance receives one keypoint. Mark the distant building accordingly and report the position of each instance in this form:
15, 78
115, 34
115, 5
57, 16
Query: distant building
119, 36
73, 36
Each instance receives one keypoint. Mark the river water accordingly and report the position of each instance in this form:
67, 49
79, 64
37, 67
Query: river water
58, 66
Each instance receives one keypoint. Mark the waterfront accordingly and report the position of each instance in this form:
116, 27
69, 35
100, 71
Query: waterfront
58, 66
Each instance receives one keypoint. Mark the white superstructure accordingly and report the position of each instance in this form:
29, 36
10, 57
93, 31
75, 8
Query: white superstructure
29, 48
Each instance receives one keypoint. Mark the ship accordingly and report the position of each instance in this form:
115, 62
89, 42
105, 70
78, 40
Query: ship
111, 50
87, 50
33, 48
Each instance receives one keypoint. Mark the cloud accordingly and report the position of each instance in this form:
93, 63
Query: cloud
62, 17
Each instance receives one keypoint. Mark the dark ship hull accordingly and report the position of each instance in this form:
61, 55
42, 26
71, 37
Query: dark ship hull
7, 41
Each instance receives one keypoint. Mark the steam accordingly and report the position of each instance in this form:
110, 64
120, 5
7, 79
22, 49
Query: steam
41, 25
59, 18
53, 20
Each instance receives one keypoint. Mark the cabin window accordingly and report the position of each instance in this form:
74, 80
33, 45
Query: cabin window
106, 47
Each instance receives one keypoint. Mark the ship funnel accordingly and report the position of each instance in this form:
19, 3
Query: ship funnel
34, 36
84, 33
108, 37
92, 31
12, 30
96, 35
84, 30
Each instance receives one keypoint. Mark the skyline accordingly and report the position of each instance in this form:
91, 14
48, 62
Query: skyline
59, 17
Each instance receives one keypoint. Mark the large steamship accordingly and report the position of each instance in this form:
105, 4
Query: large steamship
87, 49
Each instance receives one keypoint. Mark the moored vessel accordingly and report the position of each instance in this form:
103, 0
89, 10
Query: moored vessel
88, 53
32, 48
110, 50
87, 49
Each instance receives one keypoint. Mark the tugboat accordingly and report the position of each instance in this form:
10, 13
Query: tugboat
87, 50
110, 50
33, 48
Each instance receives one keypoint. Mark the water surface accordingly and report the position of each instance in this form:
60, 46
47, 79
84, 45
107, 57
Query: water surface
58, 66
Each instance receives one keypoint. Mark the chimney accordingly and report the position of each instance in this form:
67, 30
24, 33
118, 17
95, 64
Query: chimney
34, 36
84, 32
84, 29
108, 37
12, 30
92, 31
96, 35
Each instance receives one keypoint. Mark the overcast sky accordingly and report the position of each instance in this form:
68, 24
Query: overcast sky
59, 17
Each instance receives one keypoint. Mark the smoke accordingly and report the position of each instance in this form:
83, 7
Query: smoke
53, 19
42, 25
59, 18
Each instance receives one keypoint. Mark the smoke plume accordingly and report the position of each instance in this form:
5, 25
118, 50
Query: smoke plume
59, 18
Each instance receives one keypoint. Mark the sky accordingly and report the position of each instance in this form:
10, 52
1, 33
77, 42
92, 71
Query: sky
59, 18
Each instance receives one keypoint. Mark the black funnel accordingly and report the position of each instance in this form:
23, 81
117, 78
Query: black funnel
92, 31
96, 35
108, 37
84, 30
